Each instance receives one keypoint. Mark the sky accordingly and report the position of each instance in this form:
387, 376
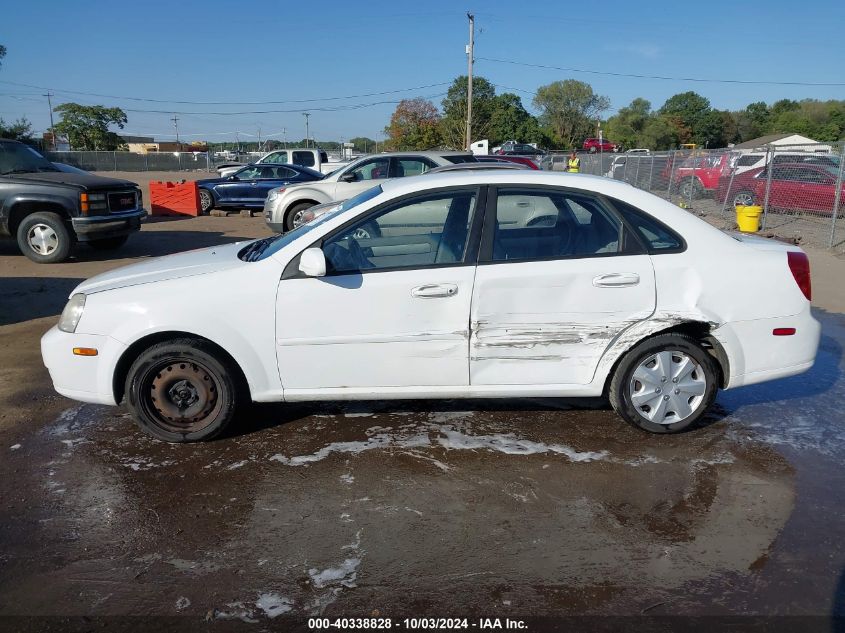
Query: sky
348, 63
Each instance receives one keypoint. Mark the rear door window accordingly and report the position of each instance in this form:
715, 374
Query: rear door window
303, 158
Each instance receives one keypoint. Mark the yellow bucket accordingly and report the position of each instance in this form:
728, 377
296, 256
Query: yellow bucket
748, 217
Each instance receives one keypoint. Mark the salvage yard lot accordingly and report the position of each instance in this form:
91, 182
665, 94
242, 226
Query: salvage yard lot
494, 508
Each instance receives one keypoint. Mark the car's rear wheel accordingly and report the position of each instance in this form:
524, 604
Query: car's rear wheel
182, 391
44, 238
108, 243
665, 384
206, 200
294, 216
743, 197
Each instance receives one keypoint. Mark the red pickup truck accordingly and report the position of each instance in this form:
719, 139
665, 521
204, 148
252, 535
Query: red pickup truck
698, 174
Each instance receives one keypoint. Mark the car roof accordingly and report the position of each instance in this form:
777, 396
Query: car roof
428, 152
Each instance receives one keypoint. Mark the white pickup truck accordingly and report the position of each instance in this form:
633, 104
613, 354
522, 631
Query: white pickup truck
307, 157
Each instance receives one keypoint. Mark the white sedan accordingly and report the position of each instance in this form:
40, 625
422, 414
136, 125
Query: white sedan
620, 294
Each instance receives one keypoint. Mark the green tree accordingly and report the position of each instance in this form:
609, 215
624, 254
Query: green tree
510, 120
2, 53
20, 130
414, 125
694, 119
659, 133
87, 127
454, 121
363, 144
569, 108
626, 127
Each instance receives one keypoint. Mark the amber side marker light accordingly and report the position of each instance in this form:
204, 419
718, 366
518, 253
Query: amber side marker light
783, 331
84, 351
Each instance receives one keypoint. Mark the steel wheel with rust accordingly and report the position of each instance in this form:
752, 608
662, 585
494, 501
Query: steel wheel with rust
182, 391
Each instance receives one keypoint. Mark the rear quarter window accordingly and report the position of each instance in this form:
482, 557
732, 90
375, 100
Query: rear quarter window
656, 236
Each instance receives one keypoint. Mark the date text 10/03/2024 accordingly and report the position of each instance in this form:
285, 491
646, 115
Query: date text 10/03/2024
417, 623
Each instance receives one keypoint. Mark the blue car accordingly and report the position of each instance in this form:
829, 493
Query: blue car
248, 187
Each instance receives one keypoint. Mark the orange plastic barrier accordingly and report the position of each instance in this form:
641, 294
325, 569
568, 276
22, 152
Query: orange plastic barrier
174, 198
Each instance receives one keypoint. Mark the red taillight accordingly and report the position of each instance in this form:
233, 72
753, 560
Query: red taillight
783, 331
799, 264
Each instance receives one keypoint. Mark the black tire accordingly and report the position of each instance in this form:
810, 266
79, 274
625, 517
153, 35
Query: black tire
206, 200
183, 391
108, 243
622, 385
297, 208
44, 238
739, 196
690, 183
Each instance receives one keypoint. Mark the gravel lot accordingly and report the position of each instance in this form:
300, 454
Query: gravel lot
487, 508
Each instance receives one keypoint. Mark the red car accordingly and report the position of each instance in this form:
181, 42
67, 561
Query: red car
798, 186
699, 174
522, 160
594, 145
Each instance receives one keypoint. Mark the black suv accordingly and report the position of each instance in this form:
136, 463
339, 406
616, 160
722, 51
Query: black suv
48, 210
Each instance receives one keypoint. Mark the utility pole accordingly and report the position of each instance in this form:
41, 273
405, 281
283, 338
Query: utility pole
306, 115
285, 136
49, 96
175, 120
470, 52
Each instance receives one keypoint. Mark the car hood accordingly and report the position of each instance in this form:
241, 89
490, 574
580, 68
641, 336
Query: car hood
87, 181
188, 264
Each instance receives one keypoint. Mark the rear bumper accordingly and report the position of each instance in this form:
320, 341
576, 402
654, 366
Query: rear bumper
97, 227
84, 378
756, 355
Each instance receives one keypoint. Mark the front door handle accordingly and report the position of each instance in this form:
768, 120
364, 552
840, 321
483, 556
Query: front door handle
616, 280
428, 291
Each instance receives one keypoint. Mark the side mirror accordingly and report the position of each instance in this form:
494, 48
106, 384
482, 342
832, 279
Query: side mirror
348, 177
232, 178
312, 262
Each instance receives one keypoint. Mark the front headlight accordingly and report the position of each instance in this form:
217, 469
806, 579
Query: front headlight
274, 193
72, 313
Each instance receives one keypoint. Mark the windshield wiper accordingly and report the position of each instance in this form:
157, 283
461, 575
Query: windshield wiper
252, 252
47, 169
17, 171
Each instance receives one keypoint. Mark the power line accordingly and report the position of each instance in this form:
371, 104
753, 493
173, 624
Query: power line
665, 78
147, 100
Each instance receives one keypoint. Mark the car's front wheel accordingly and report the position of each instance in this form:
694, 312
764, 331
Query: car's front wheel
294, 217
690, 188
743, 198
182, 391
665, 384
206, 200
44, 238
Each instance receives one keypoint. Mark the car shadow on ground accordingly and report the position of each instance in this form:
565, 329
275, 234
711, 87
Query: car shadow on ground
26, 298
261, 416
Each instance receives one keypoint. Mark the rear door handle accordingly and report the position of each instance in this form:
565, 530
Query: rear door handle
616, 280
428, 291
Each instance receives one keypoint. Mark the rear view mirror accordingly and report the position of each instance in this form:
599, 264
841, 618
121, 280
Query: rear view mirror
312, 262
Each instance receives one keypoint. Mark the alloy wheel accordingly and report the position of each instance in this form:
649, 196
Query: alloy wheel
42, 239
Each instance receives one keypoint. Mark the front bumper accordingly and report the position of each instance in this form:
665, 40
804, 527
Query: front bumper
276, 227
84, 378
96, 227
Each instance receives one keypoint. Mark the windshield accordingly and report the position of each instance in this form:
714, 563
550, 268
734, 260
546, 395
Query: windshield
17, 158
266, 247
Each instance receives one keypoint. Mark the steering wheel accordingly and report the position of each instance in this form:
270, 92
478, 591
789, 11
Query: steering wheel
356, 253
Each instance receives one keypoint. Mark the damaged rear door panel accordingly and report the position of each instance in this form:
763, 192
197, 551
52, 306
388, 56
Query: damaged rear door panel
548, 300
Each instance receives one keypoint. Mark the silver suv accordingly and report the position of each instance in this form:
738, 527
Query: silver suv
285, 206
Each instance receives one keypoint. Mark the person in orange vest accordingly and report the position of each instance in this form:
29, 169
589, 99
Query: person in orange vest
573, 165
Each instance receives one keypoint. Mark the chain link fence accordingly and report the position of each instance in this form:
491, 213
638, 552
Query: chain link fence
798, 187
131, 161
